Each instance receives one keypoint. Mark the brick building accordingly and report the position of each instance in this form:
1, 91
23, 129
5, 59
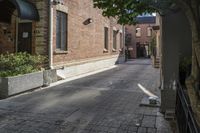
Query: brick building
73, 34
139, 36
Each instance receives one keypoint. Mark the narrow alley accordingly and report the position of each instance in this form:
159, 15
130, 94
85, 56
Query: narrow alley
107, 102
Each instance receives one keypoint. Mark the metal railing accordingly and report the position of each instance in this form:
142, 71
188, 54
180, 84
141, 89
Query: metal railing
184, 114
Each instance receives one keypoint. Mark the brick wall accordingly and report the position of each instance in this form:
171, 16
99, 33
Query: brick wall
130, 43
131, 30
39, 31
84, 41
6, 46
7, 36
144, 38
40, 28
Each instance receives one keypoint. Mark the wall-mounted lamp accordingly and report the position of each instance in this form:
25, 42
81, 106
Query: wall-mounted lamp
57, 2
88, 21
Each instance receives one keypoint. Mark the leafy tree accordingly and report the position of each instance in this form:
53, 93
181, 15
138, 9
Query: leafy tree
126, 12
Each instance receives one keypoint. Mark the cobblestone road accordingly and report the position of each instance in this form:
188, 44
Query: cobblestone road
107, 102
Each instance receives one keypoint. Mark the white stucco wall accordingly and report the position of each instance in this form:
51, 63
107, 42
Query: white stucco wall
78, 68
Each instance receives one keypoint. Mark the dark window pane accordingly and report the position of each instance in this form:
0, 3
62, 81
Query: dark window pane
114, 40
58, 35
61, 31
121, 40
106, 38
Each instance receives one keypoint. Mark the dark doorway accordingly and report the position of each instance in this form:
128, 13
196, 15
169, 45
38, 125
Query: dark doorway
25, 38
141, 51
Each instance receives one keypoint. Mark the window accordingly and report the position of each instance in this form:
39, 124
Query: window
105, 38
121, 41
128, 39
114, 40
138, 32
149, 31
61, 31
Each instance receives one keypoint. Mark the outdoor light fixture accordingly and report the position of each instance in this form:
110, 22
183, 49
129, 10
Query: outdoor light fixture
88, 21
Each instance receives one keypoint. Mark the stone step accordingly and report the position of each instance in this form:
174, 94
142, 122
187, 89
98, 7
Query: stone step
170, 114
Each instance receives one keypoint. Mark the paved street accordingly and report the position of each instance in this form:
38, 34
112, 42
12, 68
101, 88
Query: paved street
107, 102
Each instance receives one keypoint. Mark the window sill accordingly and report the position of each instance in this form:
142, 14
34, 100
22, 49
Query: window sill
105, 51
121, 49
114, 50
60, 52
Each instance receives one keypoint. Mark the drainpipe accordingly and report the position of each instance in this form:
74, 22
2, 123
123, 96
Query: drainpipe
123, 38
50, 34
124, 42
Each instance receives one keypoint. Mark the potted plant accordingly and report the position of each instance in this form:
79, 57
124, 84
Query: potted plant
20, 72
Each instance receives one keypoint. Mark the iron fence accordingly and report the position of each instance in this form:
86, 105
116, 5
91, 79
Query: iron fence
185, 118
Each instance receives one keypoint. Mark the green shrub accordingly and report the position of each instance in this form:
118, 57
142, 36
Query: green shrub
20, 63
153, 46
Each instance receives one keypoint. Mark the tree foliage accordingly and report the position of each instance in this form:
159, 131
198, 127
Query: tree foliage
126, 11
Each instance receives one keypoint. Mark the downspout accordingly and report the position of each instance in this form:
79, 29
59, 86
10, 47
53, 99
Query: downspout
124, 41
50, 34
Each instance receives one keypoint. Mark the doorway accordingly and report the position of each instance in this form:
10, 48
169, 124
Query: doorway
24, 37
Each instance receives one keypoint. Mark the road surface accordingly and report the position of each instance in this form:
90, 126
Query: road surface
107, 102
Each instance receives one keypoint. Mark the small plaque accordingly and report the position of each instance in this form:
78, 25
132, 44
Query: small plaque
25, 35
130, 49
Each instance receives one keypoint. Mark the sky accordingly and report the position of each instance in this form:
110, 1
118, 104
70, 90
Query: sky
153, 14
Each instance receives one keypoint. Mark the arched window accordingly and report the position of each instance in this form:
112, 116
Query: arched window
149, 31
138, 32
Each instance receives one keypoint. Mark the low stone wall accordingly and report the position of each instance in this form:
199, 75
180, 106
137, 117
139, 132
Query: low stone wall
17, 84
50, 76
89, 66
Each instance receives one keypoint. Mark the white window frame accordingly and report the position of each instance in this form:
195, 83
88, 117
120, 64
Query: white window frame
149, 31
138, 32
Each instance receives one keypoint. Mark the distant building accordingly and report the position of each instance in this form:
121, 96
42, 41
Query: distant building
139, 37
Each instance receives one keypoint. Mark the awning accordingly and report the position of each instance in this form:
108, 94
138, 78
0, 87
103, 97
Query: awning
26, 10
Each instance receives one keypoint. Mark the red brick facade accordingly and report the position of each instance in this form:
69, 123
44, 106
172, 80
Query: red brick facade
39, 36
133, 40
84, 41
